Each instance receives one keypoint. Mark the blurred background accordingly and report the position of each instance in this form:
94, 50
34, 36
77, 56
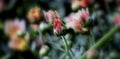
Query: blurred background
104, 14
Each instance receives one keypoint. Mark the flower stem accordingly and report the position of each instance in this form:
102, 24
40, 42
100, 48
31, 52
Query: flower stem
66, 46
41, 37
6, 56
92, 37
104, 39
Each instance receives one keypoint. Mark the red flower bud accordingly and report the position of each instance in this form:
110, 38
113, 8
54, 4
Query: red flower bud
58, 26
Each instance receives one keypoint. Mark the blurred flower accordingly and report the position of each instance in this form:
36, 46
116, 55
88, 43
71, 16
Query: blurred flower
34, 27
75, 20
2, 5
14, 28
50, 15
76, 26
81, 16
18, 44
58, 26
68, 18
92, 54
117, 19
80, 3
34, 14
84, 14
43, 26
75, 4
43, 50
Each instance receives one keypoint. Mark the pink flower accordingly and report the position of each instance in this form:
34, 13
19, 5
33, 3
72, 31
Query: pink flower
68, 19
72, 17
50, 15
84, 14
75, 20
16, 27
58, 26
80, 16
74, 25
117, 19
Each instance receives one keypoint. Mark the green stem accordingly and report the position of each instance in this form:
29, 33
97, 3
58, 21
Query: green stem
41, 37
66, 46
5, 57
103, 40
90, 42
72, 52
92, 37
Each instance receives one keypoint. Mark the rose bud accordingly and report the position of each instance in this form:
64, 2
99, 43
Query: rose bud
43, 26
34, 14
92, 54
58, 27
50, 15
44, 50
18, 44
